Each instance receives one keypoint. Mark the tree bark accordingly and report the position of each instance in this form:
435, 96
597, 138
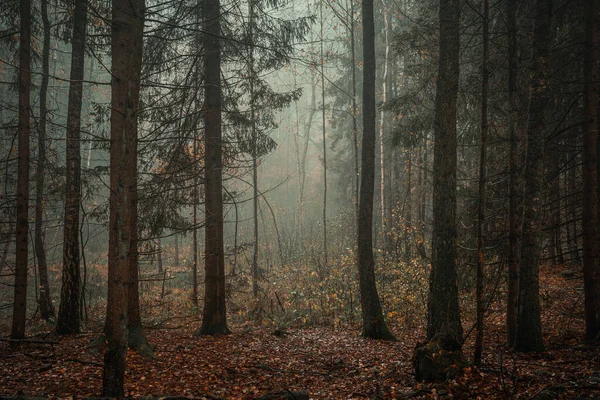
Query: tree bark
45, 301
252, 76
374, 325
528, 336
356, 182
444, 314
214, 319
126, 45
384, 180
324, 144
515, 188
68, 313
482, 193
22, 231
590, 171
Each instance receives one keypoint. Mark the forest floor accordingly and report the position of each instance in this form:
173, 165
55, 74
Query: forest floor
328, 363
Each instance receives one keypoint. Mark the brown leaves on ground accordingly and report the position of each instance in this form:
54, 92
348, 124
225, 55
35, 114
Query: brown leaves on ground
328, 363
245, 365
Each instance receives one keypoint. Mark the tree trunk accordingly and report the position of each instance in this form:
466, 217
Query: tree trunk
159, 256
126, 45
515, 188
384, 175
196, 163
252, 76
45, 300
21, 232
590, 171
176, 249
528, 336
444, 314
374, 325
444, 328
68, 313
356, 182
324, 144
408, 205
195, 231
482, 193
214, 319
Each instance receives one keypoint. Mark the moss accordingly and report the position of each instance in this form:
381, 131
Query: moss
439, 359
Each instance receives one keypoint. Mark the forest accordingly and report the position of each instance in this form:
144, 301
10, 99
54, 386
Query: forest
299, 199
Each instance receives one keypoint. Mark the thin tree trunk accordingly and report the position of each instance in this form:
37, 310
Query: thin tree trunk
482, 193
176, 249
45, 300
515, 188
573, 188
424, 167
354, 113
324, 143
374, 325
252, 76
126, 43
22, 228
590, 178
68, 313
383, 181
301, 164
528, 336
214, 319
159, 256
195, 230
196, 164
408, 205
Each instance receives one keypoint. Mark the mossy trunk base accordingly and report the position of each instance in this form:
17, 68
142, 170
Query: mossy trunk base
139, 342
439, 359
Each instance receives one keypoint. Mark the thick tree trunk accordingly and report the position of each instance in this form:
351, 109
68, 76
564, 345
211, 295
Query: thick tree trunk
444, 328
528, 336
444, 314
482, 193
591, 273
45, 300
126, 45
68, 313
214, 319
21, 232
374, 325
